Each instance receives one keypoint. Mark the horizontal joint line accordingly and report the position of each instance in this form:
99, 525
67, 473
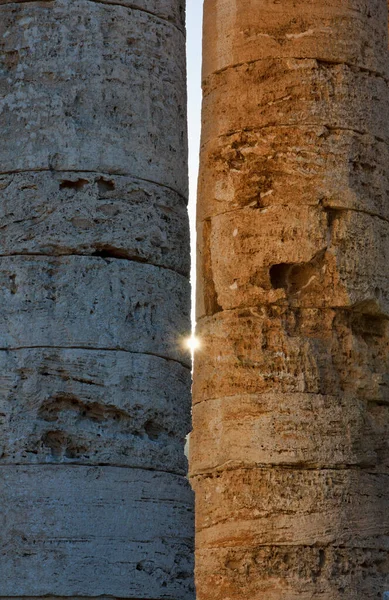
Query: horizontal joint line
95, 172
86, 348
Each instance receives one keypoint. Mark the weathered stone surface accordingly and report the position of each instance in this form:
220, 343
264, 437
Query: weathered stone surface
296, 572
93, 407
307, 499
85, 531
94, 264
340, 258
311, 351
87, 302
171, 10
278, 429
249, 31
289, 92
113, 103
293, 166
289, 454
85, 213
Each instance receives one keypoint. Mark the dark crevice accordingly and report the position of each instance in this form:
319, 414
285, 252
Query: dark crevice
366, 321
104, 251
319, 61
105, 185
298, 278
94, 465
108, 251
73, 185
94, 172
330, 128
278, 275
94, 349
153, 430
333, 213
220, 470
50, 409
211, 303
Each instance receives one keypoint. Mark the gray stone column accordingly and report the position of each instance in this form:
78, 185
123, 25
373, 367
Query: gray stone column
94, 300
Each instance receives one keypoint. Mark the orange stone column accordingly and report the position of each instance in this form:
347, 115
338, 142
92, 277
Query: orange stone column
290, 449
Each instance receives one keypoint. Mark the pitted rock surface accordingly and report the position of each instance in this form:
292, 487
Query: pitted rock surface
289, 453
95, 301
92, 87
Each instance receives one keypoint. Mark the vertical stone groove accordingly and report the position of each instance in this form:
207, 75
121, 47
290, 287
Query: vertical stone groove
289, 453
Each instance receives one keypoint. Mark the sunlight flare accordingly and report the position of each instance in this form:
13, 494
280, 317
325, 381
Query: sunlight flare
192, 343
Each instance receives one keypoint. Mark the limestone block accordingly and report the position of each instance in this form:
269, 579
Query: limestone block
84, 213
311, 256
93, 407
86, 302
290, 429
293, 92
90, 531
337, 31
312, 351
313, 507
291, 166
171, 10
113, 103
292, 572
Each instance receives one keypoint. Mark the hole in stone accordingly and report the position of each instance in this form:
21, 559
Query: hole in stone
66, 184
368, 325
108, 251
73, 452
55, 440
105, 185
298, 278
153, 430
279, 275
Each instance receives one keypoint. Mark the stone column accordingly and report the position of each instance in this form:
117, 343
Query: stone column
94, 263
290, 452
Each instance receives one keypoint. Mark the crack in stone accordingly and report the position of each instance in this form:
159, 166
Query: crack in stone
319, 205
319, 61
95, 349
224, 468
105, 255
338, 308
305, 126
93, 172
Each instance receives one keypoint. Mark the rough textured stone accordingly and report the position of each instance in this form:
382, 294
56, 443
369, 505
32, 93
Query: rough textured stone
292, 92
278, 429
84, 213
67, 300
310, 351
340, 259
93, 407
248, 31
296, 572
113, 102
289, 454
89, 531
171, 10
293, 166
307, 499
94, 265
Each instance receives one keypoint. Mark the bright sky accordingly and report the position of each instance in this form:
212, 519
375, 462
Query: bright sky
194, 10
